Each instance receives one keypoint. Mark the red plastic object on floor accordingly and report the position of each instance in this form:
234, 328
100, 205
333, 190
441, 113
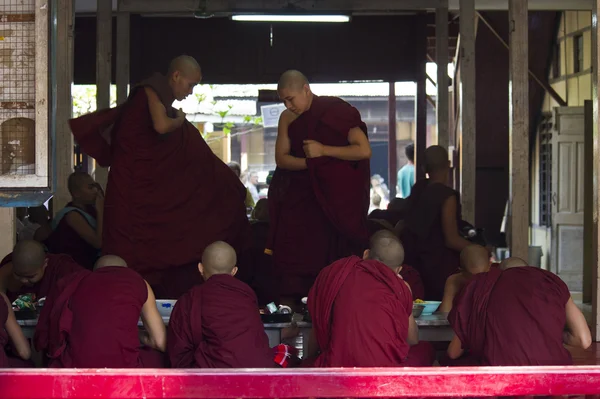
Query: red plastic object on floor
299, 383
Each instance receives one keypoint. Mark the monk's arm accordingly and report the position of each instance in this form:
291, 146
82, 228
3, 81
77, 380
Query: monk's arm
450, 226
15, 333
153, 323
84, 230
180, 340
413, 331
42, 233
358, 147
160, 120
450, 290
455, 349
577, 333
283, 147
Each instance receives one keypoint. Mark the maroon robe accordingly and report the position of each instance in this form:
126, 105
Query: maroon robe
360, 311
168, 196
413, 278
65, 240
217, 325
423, 236
318, 215
58, 267
514, 317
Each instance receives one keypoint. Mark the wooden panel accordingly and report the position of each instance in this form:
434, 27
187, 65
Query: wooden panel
580, 174
565, 164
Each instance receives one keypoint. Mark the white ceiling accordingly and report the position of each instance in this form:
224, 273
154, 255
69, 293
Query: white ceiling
89, 6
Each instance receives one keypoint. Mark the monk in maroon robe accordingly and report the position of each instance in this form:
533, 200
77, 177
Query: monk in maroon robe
516, 317
362, 312
430, 234
474, 259
93, 321
217, 324
319, 195
12, 338
168, 195
77, 228
29, 270
412, 277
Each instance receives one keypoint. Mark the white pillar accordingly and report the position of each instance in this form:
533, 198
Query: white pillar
123, 42
441, 58
468, 120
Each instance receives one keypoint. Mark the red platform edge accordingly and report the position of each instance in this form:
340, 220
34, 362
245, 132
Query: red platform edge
299, 383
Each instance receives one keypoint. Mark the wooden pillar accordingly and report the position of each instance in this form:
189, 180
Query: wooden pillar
392, 144
589, 255
123, 42
441, 58
65, 19
421, 124
103, 67
596, 168
8, 228
519, 129
468, 120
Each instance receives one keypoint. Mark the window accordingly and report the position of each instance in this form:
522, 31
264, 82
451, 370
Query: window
578, 54
546, 171
556, 62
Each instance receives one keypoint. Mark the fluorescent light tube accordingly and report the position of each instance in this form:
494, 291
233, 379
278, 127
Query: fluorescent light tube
290, 18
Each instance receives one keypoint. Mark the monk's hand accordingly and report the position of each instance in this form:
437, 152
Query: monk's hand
313, 149
99, 204
180, 114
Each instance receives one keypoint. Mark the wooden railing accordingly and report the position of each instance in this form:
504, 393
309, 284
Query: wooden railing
299, 383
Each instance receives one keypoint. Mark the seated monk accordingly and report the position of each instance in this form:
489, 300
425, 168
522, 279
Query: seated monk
40, 216
474, 259
319, 195
29, 270
217, 324
12, 336
362, 312
93, 321
77, 228
521, 316
430, 233
168, 196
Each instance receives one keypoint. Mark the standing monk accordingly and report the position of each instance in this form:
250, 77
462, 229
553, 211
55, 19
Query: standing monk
168, 196
430, 234
319, 195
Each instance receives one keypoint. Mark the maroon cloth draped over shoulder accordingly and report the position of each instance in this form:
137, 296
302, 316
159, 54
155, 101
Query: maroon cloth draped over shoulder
168, 196
65, 240
318, 215
423, 236
413, 278
514, 317
58, 267
217, 325
360, 311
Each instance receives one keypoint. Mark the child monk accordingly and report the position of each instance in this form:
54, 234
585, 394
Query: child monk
77, 228
11, 333
362, 311
474, 259
217, 324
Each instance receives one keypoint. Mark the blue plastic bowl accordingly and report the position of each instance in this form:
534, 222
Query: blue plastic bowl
430, 307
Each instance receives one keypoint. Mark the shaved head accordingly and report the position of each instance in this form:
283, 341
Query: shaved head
218, 258
475, 259
385, 247
292, 79
110, 260
436, 159
77, 181
28, 258
186, 65
512, 262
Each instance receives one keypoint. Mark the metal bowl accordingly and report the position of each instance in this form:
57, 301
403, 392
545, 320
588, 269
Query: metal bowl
417, 310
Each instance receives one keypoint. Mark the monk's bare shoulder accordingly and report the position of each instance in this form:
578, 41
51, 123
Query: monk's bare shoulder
287, 117
151, 94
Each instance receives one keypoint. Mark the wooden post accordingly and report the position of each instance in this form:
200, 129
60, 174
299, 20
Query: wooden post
589, 255
596, 168
468, 119
441, 58
123, 42
518, 88
103, 67
421, 124
8, 228
392, 145
65, 16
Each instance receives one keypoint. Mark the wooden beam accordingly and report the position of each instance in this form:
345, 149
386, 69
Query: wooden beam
519, 129
65, 19
596, 169
392, 143
420, 125
103, 68
441, 56
123, 43
468, 119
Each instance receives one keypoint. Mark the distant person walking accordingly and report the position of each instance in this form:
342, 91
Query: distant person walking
406, 175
